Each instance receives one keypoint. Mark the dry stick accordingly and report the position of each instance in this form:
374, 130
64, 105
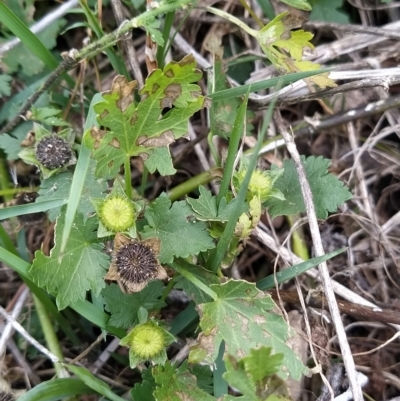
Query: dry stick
351, 115
387, 33
323, 269
293, 259
130, 48
8, 328
386, 83
27, 336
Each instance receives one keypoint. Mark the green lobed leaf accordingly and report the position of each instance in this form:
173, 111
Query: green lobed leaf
136, 129
48, 115
124, 307
238, 377
180, 237
261, 363
59, 187
328, 191
5, 87
160, 159
284, 47
11, 144
143, 390
329, 11
240, 317
254, 376
176, 384
30, 63
205, 207
79, 269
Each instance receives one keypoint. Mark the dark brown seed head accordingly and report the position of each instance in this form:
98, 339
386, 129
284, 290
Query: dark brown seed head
53, 152
29, 219
136, 263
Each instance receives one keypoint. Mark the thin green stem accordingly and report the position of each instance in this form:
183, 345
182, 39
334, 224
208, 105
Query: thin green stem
231, 18
192, 184
50, 336
168, 289
4, 181
128, 178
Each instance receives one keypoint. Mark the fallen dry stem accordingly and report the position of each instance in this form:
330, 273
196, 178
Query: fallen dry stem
323, 268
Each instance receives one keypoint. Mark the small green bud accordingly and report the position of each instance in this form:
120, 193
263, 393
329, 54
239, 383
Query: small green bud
260, 184
147, 342
117, 213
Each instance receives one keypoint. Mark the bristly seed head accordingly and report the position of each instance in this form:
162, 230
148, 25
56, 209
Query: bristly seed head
53, 152
136, 263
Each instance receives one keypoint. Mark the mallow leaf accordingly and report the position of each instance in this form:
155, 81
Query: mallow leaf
168, 99
81, 268
241, 317
180, 236
327, 190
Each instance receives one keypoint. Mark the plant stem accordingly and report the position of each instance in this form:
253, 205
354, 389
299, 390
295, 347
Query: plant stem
231, 18
50, 336
128, 178
192, 184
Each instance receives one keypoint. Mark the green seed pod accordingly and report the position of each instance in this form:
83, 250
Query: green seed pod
117, 213
260, 184
147, 342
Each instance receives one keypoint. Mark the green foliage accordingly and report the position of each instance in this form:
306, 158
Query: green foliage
11, 144
81, 268
124, 307
180, 237
59, 187
176, 384
328, 191
5, 88
240, 304
19, 59
198, 237
48, 115
284, 47
301, 4
137, 129
254, 376
329, 11
205, 208
144, 391
223, 111
193, 290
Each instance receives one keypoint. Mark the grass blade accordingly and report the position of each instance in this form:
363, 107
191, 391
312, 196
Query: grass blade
29, 39
57, 389
294, 271
36, 207
267, 83
78, 181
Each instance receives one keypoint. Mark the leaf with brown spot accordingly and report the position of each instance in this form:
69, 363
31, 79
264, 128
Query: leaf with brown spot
241, 317
136, 129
